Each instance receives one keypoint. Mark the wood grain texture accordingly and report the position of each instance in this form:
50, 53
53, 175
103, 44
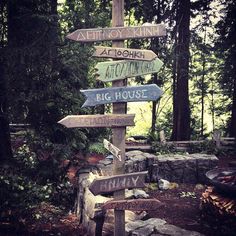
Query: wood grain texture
100, 96
117, 33
122, 69
133, 205
117, 182
124, 53
84, 121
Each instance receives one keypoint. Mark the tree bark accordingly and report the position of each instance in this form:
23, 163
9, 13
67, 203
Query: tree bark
5, 140
232, 129
181, 122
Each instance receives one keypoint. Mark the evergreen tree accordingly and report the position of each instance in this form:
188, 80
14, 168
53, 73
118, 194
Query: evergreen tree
5, 144
226, 45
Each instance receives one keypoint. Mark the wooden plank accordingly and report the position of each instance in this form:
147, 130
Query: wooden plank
118, 33
95, 97
112, 149
116, 70
83, 121
118, 134
133, 205
117, 182
124, 53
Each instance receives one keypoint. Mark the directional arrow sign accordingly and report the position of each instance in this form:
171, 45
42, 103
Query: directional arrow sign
83, 121
95, 97
118, 182
115, 151
124, 53
133, 205
117, 33
116, 70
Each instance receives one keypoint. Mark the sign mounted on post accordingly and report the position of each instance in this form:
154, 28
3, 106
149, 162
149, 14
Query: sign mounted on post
117, 182
117, 70
124, 53
95, 97
117, 33
115, 151
133, 205
84, 121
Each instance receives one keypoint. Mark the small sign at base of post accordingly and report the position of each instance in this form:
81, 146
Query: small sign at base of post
133, 205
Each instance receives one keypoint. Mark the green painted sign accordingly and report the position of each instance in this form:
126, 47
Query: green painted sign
116, 70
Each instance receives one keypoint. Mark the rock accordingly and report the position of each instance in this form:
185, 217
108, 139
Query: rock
163, 184
135, 193
139, 193
199, 187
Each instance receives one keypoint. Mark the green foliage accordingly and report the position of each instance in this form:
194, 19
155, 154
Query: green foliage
163, 148
206, 146
97, 148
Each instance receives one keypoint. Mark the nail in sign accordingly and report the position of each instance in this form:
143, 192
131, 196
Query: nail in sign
133, 205
84, 121
118, 182
116, 70
95, 97
124, 53
117, 33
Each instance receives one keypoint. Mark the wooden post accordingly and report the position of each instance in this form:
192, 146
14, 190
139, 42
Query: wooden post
118, 134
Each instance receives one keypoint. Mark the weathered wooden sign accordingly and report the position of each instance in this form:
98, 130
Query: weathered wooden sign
83, 121
95, 97
118, 182
116, 70
124, 53
133, 204
115, 151
117, 33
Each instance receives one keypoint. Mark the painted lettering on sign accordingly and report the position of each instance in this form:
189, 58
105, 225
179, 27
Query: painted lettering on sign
124, 53
134, 204
118, 182
116, 70
95, 97
114, 120
114, 33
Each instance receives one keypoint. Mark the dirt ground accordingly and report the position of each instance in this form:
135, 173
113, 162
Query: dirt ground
181, 208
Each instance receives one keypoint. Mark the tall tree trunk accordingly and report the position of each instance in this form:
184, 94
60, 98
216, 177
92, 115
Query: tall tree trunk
232, 130
155, 47
5, 140
181, 123
154, 109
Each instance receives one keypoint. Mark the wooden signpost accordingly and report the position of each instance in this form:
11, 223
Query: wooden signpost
138, 62
95, 97
124, 53
117, 70
133, 204
112, 149
117, 33
114, 183
83, 121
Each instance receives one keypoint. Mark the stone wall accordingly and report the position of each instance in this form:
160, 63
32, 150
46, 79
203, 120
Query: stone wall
175, 168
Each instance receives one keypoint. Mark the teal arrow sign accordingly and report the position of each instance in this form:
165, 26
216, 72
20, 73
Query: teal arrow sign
116, 70
95, 97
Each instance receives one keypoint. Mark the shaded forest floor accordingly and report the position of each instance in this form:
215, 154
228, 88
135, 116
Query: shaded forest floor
180, 209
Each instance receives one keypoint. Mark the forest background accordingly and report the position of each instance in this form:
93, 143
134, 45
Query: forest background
42, 72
